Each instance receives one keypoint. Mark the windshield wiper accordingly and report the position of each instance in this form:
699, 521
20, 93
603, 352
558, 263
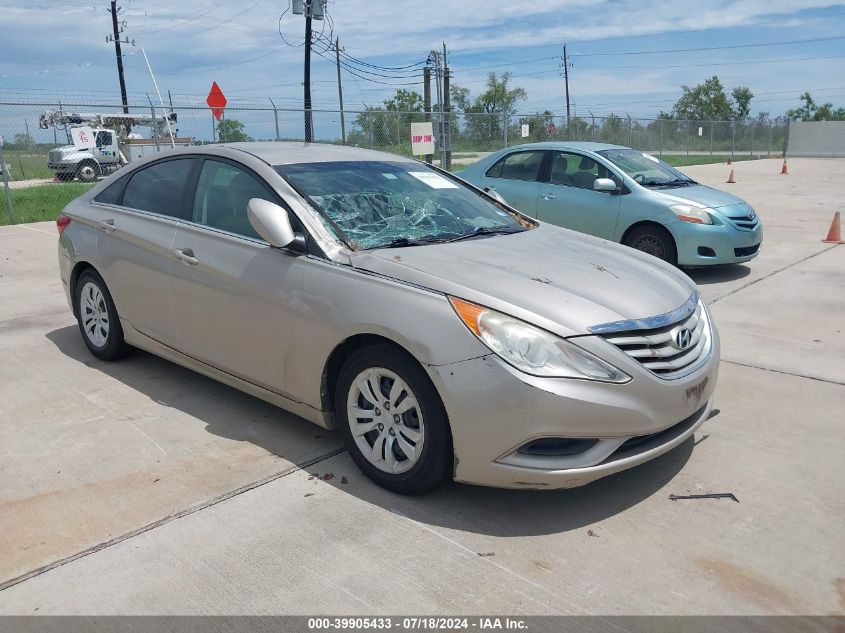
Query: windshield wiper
401, 242
484, 230
678, 181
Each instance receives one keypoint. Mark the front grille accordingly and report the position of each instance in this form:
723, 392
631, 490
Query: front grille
745, 222
668, 351
54, 156
746, 250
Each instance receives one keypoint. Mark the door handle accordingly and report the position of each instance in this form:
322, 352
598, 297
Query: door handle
548, 196
108, 226
186, 256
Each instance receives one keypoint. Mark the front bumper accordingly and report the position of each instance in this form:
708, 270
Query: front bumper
494, 409
708, 245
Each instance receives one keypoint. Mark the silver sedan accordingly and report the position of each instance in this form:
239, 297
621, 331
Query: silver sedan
445, 335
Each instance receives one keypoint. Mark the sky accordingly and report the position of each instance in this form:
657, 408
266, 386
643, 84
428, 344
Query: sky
627, 56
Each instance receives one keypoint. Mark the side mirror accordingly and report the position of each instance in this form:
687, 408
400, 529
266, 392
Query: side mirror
605, 184
492, 192
271, 222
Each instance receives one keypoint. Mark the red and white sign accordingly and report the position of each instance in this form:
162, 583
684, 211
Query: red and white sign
216, 100
422, 138
83, 137
551, 129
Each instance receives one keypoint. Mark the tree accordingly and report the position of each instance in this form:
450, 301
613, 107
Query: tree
231, 131
388, 124
23, 141
742, 97
499, 97
538, 126
708, 102
485, 114
405, 101
811, 111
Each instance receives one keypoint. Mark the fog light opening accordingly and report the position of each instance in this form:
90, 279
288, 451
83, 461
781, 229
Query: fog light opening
706, 251
557, 446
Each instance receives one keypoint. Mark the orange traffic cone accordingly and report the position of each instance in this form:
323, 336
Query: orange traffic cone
834, 235
732, 178
784, 170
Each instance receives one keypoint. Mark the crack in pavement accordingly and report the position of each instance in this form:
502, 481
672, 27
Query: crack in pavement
171, 517
784, 372
772, 274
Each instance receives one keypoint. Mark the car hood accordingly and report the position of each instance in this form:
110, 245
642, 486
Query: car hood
701, 195
557, 279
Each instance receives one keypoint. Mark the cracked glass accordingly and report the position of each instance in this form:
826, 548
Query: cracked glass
374, 204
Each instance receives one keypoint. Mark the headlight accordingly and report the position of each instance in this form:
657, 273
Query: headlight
689, 213
532, 350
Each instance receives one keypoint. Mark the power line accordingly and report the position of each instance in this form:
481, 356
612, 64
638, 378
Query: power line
375, 81
758, 61
187, 19
712, 48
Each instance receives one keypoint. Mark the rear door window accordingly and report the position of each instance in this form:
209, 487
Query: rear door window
518, 166
111, 194
160, 188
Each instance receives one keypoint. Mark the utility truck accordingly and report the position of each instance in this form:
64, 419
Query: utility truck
103, 143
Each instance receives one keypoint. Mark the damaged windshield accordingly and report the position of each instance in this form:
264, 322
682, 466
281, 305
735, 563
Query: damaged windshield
374, 204
646, 169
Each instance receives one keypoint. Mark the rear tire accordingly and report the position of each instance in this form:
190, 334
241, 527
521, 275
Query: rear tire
400, 437
653, 240
98, 321
88, 171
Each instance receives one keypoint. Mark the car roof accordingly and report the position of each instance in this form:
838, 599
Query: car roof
286, 153
585, 145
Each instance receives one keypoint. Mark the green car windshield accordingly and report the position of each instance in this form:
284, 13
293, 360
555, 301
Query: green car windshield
645, 168
374, 204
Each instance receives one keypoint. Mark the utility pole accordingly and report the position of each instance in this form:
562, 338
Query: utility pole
427, 101
435, 58
566, 82
447, 127
312, 9
116, 39
340, 90
309, 129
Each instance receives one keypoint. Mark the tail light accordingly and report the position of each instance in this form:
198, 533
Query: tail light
62, 223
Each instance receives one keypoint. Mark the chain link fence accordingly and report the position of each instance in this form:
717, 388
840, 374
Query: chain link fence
467, 136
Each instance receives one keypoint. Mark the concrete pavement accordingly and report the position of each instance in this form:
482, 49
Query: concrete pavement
139, 487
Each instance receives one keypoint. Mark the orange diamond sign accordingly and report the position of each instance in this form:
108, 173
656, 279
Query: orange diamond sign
216, 100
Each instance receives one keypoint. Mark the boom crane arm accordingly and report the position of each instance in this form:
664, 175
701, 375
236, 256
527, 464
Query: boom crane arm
123, 123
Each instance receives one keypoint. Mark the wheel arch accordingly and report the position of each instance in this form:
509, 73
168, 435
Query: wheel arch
79, 268
335, 360
641, 223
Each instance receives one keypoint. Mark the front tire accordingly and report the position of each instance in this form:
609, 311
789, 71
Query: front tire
97, 318
653, 240
88, 171
393, 421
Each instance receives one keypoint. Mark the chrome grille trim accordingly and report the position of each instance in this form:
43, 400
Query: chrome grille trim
649, 323
655, 348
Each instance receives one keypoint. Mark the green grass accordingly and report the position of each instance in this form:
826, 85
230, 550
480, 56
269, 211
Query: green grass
26, 164
682, 160
37, 204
